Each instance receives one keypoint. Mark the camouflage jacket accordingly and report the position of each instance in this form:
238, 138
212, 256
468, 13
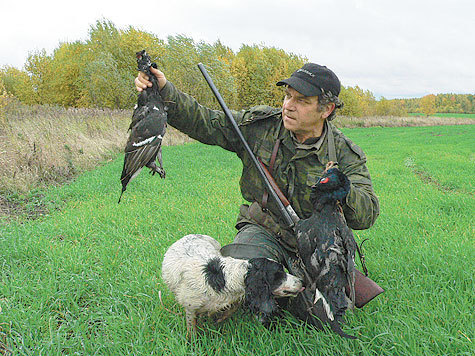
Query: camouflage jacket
297, 166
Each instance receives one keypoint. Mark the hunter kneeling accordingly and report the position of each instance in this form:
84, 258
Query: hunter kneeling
295, 143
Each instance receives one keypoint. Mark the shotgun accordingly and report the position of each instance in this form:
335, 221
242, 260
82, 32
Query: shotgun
289, 215
365, 288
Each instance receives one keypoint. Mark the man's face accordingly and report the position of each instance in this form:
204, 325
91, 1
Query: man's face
301, 116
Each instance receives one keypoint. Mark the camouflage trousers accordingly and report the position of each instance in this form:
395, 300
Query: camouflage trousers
254, 241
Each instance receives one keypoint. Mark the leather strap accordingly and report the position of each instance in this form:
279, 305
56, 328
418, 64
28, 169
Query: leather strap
332, 157
265, 197
331, 145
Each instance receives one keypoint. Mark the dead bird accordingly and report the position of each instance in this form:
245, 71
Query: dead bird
326, 246
149, 122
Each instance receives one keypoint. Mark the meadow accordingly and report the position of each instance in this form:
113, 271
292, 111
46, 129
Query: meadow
452, 115
45, 145
84, 278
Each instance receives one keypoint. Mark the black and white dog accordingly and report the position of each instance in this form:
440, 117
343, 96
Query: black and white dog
205, 282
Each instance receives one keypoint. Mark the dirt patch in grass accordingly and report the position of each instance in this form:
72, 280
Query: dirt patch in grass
428, 179
6, 207
30, 207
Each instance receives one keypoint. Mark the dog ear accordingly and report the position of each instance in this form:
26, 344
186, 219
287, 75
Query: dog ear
258, 297
213, 271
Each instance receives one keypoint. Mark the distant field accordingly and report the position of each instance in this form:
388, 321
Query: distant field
466, 116
45, 145
85, 278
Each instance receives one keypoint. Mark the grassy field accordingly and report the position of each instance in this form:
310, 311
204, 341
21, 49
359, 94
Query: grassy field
442, 114
404, 121
42, 145
85, 278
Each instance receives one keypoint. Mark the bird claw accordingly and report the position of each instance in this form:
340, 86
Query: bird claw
159, 170
330, 165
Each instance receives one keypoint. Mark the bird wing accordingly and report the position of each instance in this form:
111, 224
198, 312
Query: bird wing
145, 139
325, 246
135, 160
143, 144
349, 247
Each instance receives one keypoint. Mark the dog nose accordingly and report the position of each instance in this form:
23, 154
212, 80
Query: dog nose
300, 282
300, 285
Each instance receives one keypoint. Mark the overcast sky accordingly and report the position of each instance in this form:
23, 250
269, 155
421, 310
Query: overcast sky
394, 48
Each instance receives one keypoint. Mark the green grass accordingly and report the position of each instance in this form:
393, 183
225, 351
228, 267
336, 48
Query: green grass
85, 279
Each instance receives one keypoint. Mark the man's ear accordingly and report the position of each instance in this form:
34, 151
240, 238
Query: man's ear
328, 110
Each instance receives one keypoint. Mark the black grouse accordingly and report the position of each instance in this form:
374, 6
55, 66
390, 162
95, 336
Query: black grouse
327, 249
149, 122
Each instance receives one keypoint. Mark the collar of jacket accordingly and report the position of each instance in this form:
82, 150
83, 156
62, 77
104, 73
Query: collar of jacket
312, 146
300, 150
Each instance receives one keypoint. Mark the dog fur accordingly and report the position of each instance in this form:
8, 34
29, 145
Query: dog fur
205, 282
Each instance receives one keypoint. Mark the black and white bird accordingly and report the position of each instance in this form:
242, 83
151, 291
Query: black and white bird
149, 122
326, 246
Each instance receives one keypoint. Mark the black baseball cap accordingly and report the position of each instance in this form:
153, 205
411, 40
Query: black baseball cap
311, 79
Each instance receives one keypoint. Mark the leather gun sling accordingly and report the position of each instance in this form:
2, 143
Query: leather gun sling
265, 196
331, 145
331, 156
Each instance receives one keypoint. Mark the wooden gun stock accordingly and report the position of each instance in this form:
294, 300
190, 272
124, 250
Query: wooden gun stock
295, 218
365, 289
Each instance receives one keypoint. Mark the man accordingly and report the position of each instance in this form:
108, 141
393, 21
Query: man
295, 143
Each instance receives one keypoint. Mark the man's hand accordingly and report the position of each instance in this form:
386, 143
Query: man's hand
142, 80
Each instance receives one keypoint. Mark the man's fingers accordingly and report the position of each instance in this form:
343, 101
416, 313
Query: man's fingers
143, 78
155, 71
141, 83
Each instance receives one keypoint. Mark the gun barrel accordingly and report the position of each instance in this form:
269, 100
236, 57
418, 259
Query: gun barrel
285, 214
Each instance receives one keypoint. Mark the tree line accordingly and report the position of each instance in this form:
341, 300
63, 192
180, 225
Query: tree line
443, 103
99, 72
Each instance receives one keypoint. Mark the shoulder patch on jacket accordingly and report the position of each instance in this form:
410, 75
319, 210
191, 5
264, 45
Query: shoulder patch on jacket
356, 149
352, 146
258, 113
